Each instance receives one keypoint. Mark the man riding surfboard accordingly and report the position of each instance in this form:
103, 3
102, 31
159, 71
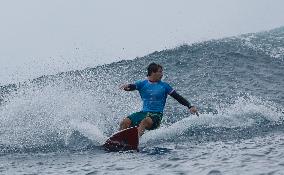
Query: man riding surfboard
153, 93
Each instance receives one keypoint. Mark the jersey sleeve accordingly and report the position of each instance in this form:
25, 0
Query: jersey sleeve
139, 84
169, 89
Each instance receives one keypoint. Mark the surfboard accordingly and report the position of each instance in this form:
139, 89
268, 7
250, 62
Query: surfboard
123, 140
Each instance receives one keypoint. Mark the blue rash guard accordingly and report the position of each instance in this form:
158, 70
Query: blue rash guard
153, 94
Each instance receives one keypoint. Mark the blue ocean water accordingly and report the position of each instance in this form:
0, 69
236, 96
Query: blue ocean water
55, 124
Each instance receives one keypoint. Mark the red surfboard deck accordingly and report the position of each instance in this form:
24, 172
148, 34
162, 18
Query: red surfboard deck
124, 140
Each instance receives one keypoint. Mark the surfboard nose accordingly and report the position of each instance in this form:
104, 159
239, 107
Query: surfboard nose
123, 140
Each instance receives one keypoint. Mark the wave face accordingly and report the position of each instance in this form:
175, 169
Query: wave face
237, 84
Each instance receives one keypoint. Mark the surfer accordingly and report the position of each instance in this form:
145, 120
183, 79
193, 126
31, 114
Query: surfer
153, 93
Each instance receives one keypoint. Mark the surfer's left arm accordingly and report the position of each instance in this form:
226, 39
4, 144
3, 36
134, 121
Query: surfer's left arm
184, 102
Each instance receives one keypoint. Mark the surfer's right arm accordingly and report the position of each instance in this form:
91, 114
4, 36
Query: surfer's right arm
128, 87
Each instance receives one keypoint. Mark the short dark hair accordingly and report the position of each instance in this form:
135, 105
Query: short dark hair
153, 67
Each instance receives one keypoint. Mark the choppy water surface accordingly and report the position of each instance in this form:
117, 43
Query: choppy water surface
55, 124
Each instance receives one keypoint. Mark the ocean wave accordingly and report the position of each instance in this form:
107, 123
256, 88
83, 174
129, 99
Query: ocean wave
236, 83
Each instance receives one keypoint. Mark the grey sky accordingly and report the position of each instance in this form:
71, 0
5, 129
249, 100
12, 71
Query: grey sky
40, 37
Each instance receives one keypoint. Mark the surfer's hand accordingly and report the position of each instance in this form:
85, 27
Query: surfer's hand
193, 110
125, 87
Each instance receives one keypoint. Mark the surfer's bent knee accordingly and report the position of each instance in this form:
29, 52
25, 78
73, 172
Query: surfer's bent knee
125, 123
148, 122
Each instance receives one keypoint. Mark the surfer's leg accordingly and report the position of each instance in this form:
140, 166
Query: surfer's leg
125, 123
145, 124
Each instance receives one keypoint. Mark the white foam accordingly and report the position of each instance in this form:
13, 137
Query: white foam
245, 112
90, 131
35, 116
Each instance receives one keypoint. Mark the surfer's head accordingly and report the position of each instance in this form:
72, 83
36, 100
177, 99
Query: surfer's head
155, 71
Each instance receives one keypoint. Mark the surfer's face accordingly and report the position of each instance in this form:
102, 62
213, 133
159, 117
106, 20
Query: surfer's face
158, 75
